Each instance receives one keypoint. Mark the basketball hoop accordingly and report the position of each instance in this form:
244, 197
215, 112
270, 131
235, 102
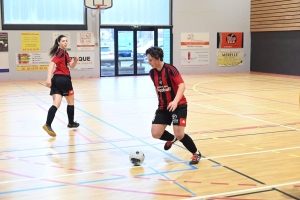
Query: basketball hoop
97, 5
101, 7
98, 8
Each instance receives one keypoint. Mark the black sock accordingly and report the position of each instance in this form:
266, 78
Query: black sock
70, 112
51, 114
167, 136
189, 143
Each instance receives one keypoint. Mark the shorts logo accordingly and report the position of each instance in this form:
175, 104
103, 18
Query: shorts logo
71, 92
182, 122
174, 118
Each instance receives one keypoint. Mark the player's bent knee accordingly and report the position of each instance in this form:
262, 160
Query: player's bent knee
156, 135
179, 136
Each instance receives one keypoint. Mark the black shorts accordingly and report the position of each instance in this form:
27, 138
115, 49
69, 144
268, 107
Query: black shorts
61, 84
178, 116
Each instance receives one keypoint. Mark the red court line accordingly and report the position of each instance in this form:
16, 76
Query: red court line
139, 177
249, 96
216, 183
192, 181
231, 199
79, 170
12, 173
66, 124
117, 175
276, 75
120, 190
101, 188
229, 114
9, 157
240, 128
296, 185
166, 180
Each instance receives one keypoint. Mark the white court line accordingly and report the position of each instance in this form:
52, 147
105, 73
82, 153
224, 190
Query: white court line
176, 162
246, 190
245, 116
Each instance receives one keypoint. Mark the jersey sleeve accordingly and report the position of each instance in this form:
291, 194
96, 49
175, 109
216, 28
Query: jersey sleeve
58, 56
175, 75
55, 59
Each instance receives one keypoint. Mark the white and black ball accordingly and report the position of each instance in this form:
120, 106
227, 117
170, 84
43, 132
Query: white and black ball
136, 157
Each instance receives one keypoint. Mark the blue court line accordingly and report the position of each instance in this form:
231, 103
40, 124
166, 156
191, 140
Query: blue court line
165, 172
124, 133
67, 146
88, 182
60, 185
106, 124
217, 165
82, 151
30, 189
73, 145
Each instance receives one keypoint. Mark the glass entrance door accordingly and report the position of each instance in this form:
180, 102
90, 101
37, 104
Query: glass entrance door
132, 45
125, 46
145, 40
123, 49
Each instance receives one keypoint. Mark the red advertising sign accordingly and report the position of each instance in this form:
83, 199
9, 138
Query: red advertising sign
230, 40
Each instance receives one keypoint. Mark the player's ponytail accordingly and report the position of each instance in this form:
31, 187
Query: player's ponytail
53, 49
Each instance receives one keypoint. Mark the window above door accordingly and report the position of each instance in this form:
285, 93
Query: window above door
138, 12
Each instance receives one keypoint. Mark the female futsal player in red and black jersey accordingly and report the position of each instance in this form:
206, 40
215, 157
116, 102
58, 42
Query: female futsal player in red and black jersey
172, 104
60, 83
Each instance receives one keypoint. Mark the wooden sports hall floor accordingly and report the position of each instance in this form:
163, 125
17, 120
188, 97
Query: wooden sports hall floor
246, 125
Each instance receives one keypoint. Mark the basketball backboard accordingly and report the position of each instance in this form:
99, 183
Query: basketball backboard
98, 4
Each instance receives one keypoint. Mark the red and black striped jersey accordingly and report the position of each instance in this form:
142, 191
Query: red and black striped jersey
166, 84
61, 60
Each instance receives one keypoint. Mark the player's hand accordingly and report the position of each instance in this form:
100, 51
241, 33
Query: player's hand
48, 82
172, 106
76, 58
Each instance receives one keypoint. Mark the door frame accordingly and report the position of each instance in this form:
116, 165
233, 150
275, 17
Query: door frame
135, 29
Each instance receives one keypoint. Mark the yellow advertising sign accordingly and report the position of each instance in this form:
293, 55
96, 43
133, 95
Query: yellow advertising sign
32, 67
31, 41
230, 57
32, 61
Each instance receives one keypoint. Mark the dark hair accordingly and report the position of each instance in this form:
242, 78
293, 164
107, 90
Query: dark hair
155, 52
53, 49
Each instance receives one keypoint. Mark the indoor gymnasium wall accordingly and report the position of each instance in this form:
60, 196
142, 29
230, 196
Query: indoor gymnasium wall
211, 16
275, 41
46, 37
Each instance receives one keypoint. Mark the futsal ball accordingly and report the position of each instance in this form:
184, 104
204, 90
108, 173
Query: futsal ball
136, 157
